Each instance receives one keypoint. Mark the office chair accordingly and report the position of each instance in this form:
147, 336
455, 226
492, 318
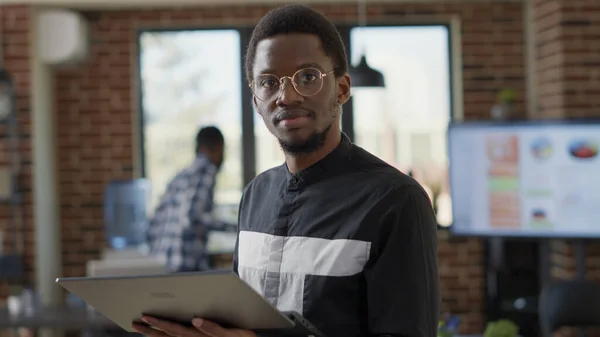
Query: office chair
573, 303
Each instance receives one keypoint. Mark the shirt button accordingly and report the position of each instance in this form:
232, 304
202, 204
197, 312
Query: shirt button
294, 180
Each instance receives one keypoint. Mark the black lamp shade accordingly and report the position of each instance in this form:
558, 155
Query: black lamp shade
364, 76
6, 96
5, 78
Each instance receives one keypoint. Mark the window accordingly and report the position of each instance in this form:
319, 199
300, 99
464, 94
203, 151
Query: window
405, 123
191, 79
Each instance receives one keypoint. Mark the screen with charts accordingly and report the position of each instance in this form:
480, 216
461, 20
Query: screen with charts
530, 179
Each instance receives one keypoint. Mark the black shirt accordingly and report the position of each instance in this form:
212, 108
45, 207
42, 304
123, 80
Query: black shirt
350, 243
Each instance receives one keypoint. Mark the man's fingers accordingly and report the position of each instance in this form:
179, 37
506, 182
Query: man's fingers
171, 328
148, 331
212, 329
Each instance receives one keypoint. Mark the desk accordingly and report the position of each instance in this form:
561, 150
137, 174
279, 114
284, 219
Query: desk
56, 318
220, 247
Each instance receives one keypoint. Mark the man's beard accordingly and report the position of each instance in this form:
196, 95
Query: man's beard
310, 145
315, 141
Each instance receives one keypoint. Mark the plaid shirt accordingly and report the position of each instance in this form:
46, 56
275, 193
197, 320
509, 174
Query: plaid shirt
178, 231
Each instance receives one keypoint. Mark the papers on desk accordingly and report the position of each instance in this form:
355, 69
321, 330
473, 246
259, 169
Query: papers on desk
221, 242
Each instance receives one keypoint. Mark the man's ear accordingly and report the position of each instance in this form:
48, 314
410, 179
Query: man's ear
255, 103
343, 88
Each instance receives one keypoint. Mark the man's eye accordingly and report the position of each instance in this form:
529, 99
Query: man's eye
268, 83
309, 77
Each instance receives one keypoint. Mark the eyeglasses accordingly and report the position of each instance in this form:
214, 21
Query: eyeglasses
307, 82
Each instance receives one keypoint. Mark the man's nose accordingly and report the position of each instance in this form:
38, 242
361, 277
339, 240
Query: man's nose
288, 94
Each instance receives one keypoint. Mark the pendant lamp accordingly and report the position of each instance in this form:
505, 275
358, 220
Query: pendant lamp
362, 75
6, 94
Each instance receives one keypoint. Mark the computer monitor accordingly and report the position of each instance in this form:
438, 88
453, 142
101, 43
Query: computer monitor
525, 179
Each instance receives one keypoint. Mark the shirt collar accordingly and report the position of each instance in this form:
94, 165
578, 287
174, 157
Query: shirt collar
330, 165
202, 160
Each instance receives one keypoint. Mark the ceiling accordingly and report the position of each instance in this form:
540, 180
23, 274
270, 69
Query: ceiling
124, 4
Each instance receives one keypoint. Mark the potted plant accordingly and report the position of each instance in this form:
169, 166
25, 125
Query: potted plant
501, 328
504, 107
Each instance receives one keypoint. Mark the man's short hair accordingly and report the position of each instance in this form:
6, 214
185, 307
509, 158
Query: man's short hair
209, 137
290, 19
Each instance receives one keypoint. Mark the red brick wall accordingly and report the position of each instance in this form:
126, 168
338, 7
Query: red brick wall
569, 57
95, 111
95, 121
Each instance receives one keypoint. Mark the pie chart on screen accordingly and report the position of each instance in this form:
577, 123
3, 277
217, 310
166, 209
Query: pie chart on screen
538, 214
541, 148
583, 149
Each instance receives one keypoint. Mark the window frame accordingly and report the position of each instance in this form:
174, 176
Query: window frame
247, 146
345, 30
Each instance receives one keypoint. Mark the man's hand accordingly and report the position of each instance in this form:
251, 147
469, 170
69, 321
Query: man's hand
202, 328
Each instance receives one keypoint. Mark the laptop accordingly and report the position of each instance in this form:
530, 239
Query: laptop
219, 296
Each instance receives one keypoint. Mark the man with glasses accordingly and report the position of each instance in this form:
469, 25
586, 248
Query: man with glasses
334, 233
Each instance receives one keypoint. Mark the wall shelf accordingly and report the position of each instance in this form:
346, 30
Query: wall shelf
13, 233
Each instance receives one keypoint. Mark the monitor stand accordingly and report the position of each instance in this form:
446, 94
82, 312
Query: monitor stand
580, 269
579, 250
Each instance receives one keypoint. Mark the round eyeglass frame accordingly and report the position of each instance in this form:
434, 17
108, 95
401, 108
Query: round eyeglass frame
281, 83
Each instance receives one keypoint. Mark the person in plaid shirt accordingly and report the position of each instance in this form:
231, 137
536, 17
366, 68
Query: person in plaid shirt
178, 230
